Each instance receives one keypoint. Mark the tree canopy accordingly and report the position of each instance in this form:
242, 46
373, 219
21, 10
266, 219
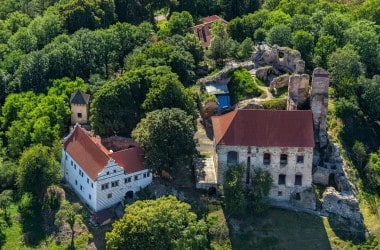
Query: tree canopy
164, 223
37, 170
167, 135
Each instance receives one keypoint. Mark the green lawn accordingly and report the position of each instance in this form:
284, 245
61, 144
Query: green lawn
280, 229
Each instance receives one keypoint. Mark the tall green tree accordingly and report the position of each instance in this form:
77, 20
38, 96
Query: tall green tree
37, 170
180, 23
325, 46
167, 135
369, 98
303, 41
372, 171
280, 34
168, 92
233, 190
344, 66
164, 223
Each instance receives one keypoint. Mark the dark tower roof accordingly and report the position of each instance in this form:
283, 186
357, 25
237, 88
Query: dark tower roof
79, 97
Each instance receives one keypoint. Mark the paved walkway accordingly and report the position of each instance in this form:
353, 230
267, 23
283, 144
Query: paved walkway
205, 173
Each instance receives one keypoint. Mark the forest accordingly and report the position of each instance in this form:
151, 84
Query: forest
139, 71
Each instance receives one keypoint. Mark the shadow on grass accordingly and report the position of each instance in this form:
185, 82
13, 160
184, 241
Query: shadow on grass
347, 231
278, 229
32, 226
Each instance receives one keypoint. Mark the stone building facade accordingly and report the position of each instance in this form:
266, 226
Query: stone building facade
280, 142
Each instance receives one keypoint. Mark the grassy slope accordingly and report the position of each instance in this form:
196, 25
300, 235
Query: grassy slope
14, 236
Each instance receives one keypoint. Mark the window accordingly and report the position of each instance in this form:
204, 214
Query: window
144, 175
148, 174
109, 196
232, 157
71, 163
136, 177
76, 182
104, 186
114, 171
298, 196
127, 180
299, 158
88, 181
75, 166
279, 193
65, 157
266, 159
92, 184
298, 180
281, 179
114, 183
108, 172
79, 115
89, 196
283, 159
81, 188
80, 172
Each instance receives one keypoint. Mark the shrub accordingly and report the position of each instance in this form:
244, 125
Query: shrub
242, 86
277, 104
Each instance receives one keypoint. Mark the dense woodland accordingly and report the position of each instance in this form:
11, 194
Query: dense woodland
141, 72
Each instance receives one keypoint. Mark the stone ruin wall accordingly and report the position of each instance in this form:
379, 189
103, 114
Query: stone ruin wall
319, 105
275, 168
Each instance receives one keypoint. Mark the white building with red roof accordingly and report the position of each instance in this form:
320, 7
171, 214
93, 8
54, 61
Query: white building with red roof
280, 142
101, 177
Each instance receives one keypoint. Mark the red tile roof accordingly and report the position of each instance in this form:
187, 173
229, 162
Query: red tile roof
203, 30
264, 128
130, 159
88, 151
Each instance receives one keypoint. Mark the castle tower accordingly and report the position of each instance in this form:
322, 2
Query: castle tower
319, 104
298, 91
79, 103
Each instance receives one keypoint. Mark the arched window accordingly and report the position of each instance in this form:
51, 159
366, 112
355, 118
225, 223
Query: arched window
232, 157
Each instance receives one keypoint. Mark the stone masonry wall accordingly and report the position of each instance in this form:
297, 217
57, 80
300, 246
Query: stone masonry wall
319, 102
275, 168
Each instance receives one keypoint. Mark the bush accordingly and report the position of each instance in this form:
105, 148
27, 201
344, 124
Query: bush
242, 86
277, 104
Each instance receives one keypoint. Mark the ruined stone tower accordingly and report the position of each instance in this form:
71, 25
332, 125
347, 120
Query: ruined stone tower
298, 91
319, 104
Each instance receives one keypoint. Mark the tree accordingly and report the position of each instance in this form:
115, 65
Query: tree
218, 48
261, 183
245, 49
190, 43
70, 214
363, 35
369, 99
168, 92
325, 46
7, 174
344, 66
372, 171
335, 24
242, 86
37, 170
167, 135
359, 154
180, 22
164, 223
233, 190
6, 198
113, 109
280, 34
23, 40
303, 41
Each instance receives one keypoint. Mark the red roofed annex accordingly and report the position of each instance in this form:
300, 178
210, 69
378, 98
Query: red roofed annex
203, 30
280, 142
100, 176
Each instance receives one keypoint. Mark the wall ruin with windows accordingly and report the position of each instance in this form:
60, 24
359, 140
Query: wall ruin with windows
283, 161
